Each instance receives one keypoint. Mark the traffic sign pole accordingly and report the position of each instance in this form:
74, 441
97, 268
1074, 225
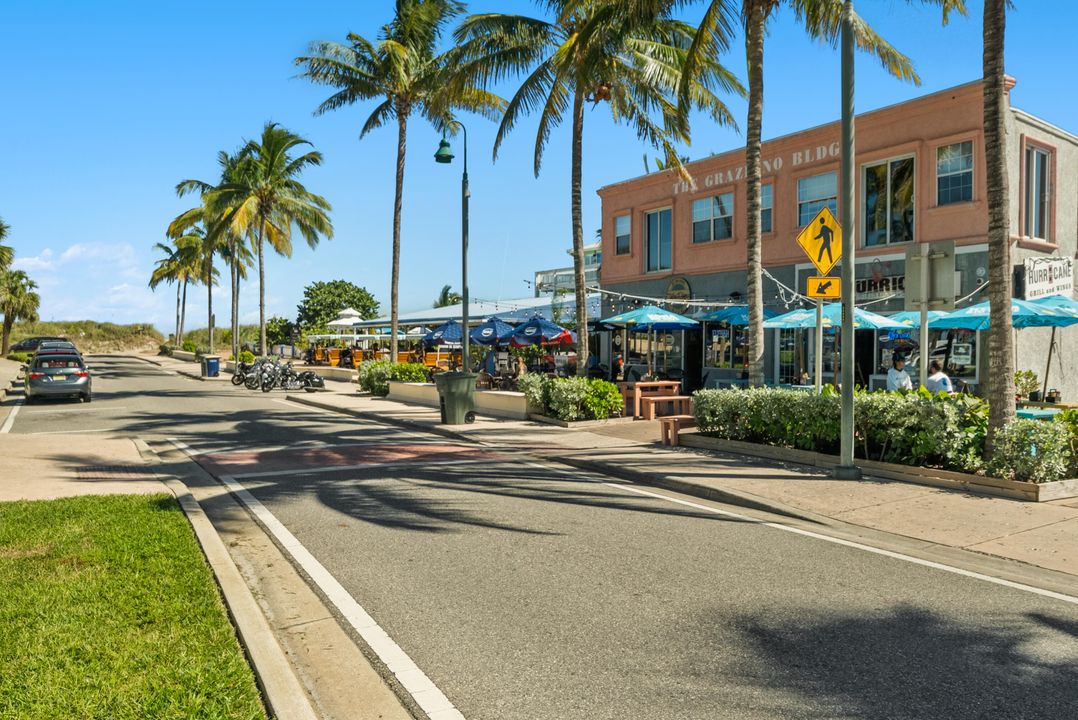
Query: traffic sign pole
926, 293
819, 346
846, 469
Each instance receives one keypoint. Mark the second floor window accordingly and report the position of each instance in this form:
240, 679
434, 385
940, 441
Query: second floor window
657, 240
765, 208
954, 173
888, 202
713, 218
622, 235
1038, 168
813, 193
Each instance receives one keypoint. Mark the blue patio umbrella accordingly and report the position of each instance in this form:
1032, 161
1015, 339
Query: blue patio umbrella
540, 331
733, 315
912, 318
449, 332
649, 318
491, 332
1058, 302
1023, 314
832, 317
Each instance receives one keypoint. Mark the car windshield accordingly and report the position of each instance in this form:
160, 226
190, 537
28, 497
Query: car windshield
58, 362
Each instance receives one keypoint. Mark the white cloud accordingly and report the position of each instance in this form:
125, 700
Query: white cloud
39, 263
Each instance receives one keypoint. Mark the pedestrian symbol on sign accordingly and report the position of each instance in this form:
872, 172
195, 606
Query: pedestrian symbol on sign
821, 240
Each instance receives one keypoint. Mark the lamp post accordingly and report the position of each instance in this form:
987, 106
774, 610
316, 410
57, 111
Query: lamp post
445, 156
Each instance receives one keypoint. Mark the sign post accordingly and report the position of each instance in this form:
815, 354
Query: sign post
821, 240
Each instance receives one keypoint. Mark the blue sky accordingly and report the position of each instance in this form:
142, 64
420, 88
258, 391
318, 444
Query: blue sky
108, 104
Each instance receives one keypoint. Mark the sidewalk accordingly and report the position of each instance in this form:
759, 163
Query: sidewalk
1044, 535
9, 370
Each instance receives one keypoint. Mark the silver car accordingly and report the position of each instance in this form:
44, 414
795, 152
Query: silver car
54, 375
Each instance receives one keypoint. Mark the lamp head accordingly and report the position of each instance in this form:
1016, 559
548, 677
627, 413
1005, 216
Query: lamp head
444, 154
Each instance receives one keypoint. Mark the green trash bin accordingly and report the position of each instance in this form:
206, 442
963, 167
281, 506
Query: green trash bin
456, 397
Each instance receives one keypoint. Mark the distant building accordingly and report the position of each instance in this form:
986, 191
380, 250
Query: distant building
550, 282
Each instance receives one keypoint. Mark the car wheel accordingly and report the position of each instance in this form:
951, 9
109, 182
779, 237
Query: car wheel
86, 397
31, 400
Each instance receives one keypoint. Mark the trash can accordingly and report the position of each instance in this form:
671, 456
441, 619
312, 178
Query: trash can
211, 365
456, 397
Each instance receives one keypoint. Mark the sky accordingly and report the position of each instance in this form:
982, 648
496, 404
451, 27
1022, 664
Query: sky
106, 105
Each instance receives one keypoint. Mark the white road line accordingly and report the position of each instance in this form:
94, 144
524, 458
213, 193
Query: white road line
425, 693
60, 411
77, 432
363, 466
827, 538
11, 418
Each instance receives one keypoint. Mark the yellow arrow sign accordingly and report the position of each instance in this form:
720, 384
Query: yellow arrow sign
822, 240
824, 288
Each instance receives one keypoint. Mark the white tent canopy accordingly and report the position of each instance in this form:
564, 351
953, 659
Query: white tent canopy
511, 311
345, 318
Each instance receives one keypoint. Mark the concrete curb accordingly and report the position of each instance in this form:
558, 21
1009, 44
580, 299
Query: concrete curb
685, 487
282, 691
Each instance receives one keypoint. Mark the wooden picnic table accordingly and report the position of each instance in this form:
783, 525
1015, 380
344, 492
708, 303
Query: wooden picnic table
633, 391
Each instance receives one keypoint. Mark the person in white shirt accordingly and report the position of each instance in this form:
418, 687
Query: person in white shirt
937, 380
897, 377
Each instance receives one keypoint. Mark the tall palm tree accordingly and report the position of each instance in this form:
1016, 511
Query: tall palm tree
18, 302
822, 20
7, 253
447, 297
629, 54
178, 264
265, 199
406, 72
1000, 391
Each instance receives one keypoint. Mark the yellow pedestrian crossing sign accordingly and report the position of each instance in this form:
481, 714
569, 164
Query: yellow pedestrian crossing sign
822, 240
823, 288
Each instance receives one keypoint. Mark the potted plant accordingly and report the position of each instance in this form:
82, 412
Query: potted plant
1026, 384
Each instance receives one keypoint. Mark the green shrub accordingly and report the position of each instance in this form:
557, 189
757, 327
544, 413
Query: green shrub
164, 349
408, 372
189, 346
246, 356
1032, 451
373, 376
567, 397
603, 399
536, 389
19, 357
912, 428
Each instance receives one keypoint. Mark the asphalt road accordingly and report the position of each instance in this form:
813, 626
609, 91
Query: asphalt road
526, 592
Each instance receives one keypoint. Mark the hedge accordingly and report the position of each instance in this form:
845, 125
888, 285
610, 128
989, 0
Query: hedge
374, 375
572, 398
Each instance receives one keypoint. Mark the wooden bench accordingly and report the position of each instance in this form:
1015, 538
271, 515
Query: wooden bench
679, 404
671, 425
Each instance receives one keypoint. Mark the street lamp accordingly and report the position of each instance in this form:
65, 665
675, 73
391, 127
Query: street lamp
445, 156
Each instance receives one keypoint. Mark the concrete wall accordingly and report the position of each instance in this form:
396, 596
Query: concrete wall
498, 403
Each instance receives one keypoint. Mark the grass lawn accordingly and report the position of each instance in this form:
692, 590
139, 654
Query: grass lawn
108, 610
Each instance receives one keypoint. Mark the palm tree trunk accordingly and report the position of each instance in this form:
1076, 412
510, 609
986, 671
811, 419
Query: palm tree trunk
183, 309
261, 295
578, 237
9, 321
1000, 379
402, 129
176, 338
754, 51
209, 297
235, 310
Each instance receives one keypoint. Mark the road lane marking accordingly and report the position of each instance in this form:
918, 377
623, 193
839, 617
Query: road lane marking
826, 538
107, 408
76, 432
422, 689
11, 418
365, 466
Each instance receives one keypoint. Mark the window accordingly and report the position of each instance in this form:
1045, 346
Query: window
765, 208
954, 173
713, 218
888, 202
813, 193
622, 234
1037, 193
657, 240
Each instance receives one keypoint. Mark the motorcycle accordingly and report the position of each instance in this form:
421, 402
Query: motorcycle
285, 377
239, 375
254, 377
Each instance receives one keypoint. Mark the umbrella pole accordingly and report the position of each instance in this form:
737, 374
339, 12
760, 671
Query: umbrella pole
1048, 365
819, 346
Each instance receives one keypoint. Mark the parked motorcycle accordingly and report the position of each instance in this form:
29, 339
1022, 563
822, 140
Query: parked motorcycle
285, 377
239, 375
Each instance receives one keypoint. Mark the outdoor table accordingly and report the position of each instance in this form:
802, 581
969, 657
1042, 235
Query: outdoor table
1036, 413
633, 391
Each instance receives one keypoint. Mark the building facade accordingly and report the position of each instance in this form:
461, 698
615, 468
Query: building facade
920, 179
563, 280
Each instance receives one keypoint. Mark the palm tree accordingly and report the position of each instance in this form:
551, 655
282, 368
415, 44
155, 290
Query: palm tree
7, 253
822, 20
405, 71
1000, 391
629, 54
18, 302
179, 265
265, 199
447, 297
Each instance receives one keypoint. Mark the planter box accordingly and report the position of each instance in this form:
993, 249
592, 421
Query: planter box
330, 373
982, 485
497, 403
536, 417
186, 356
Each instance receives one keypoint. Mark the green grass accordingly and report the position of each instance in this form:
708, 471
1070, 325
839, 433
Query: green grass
92, 336
222, 336
108, 610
